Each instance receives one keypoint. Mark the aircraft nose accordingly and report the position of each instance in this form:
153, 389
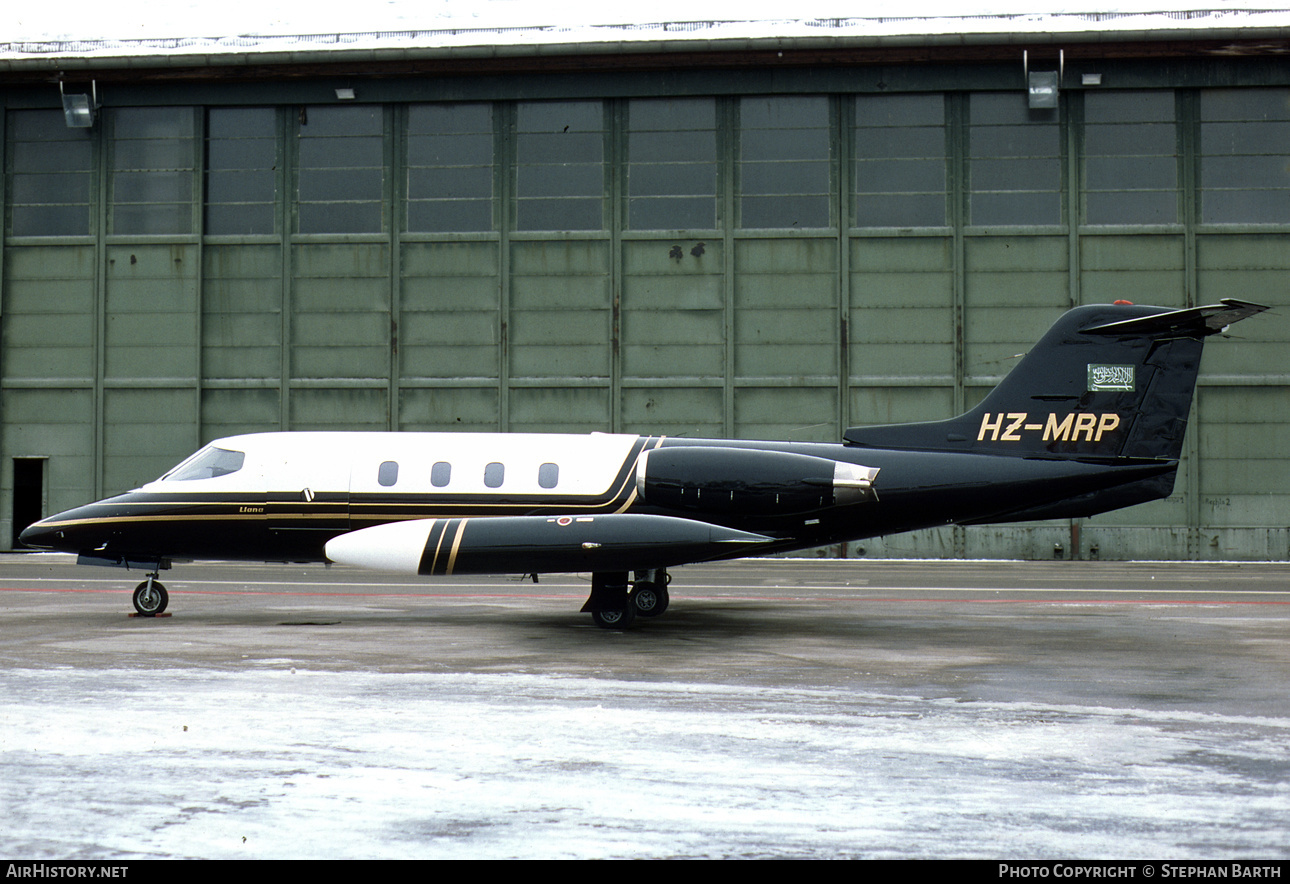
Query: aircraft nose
65, 532
41, 535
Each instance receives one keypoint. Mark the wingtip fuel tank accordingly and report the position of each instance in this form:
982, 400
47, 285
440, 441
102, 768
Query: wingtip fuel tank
537, 544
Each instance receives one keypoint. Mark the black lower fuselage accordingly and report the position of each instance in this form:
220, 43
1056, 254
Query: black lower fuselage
915, 490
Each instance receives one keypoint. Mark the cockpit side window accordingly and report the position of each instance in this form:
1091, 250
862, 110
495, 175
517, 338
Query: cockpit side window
208, 463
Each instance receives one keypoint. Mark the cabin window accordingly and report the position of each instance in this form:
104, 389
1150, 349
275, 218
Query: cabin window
388, 473
549, 475
441, 474
494, 475
207, 464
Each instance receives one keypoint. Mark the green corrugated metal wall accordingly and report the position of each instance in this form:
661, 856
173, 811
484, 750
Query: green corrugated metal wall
842, 261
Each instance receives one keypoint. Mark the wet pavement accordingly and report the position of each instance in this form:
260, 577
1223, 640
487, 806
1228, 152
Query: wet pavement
779, 709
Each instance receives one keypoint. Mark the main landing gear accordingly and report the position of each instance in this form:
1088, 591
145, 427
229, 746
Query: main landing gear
616, 602
150, 597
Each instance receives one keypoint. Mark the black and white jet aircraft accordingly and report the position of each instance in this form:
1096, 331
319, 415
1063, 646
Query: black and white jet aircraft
1090, 420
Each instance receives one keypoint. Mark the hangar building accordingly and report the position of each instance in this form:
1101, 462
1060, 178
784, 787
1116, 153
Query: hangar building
753, 229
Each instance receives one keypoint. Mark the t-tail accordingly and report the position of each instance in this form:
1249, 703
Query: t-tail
1110, 381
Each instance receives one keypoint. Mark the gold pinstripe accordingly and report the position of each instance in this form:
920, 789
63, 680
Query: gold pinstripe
456, 545
631, 498
438, 544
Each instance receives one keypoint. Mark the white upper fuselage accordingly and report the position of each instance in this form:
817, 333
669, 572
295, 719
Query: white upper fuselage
448, 463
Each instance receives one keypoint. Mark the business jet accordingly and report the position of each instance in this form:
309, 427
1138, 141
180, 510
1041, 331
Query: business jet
1090, 420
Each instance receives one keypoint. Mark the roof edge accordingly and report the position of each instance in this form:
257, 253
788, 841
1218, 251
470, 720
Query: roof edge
1245, 27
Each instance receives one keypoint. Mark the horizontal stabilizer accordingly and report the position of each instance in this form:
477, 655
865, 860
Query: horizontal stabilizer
1192, 322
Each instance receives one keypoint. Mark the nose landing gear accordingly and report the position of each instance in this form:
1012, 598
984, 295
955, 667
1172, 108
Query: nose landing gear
150, 597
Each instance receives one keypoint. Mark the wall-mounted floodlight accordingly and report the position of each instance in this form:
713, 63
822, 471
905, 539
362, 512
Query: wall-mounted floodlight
78, 108
1042, 86
345, 94
1043, 90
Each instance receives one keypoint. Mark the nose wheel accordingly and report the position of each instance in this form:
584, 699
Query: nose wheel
150, 597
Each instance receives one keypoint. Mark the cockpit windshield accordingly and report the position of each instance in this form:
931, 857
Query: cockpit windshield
208, 463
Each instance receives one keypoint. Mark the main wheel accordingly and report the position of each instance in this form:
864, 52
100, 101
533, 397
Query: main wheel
150, 598
650, 599
614, 619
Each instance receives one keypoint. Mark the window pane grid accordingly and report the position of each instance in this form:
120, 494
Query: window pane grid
450, 168
341, 176
559, 175
672, 164
900, 161
785, 162
152, 170
1245, 156
50, 175
1130, 158
241, 176
1015, 170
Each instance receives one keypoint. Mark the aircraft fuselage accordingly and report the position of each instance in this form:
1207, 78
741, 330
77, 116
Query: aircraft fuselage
291, 493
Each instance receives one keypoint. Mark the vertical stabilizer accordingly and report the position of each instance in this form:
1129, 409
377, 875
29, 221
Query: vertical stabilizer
1106, 381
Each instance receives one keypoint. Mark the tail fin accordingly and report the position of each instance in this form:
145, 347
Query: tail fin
1106, 381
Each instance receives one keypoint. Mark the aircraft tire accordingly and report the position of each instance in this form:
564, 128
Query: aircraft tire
650, 599
150, 598
615, 619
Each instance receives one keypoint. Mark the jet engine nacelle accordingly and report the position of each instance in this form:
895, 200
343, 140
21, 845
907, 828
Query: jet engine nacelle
749, 481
